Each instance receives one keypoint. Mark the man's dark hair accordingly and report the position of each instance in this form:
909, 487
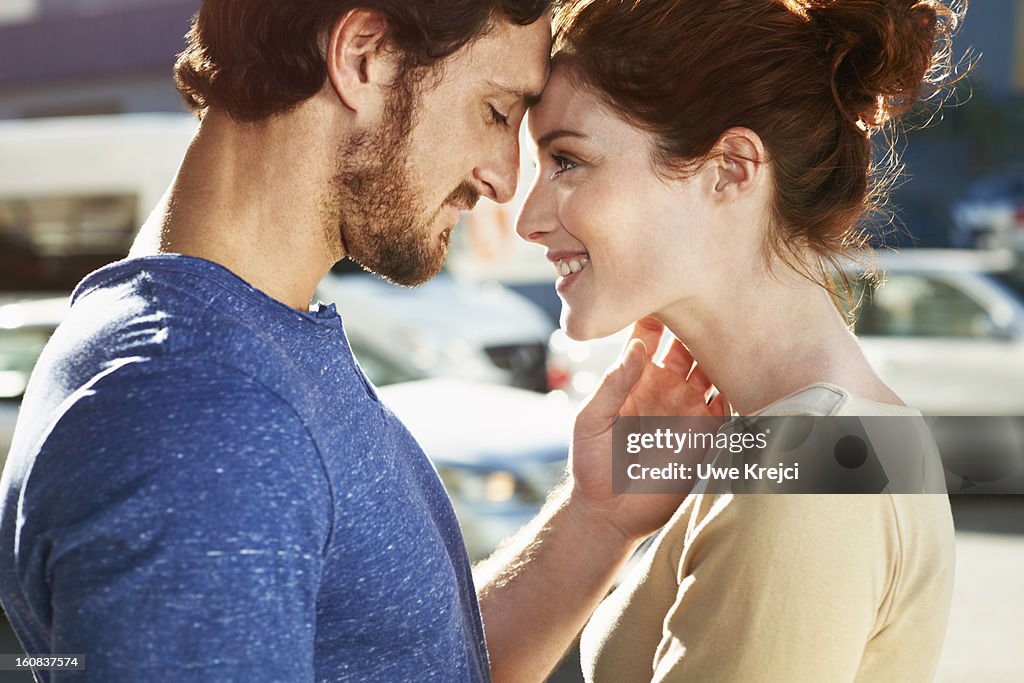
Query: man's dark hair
256, 58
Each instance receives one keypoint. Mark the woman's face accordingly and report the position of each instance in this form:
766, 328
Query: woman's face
625, 241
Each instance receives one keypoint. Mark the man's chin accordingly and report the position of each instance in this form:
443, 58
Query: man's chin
407, 277
411, 282
406, 264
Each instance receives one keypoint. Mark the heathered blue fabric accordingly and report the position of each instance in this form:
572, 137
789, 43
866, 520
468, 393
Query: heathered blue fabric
204, 486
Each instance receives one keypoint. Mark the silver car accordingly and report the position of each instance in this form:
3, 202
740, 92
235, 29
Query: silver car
945, 334
26, 323
942, 330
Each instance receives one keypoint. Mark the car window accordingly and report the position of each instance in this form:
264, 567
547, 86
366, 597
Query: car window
909, 305
1012, 282
19, 351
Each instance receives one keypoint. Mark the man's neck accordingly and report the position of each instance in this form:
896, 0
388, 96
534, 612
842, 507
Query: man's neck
247, 197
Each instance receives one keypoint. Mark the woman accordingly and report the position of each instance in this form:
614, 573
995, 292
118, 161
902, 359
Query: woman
706, 162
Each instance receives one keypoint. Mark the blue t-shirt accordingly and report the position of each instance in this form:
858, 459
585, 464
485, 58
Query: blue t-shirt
204, 486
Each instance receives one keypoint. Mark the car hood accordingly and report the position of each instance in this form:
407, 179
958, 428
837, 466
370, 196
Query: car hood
477, 424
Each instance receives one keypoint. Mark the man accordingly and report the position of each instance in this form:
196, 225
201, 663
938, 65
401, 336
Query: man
203, 484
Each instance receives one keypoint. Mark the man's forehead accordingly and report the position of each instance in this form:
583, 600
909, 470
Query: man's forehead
530, 96
515, 59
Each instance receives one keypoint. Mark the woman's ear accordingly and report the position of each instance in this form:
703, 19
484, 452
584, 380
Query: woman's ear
739, 159
360, 67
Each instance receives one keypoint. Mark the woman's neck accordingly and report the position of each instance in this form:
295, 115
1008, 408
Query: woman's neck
770, 338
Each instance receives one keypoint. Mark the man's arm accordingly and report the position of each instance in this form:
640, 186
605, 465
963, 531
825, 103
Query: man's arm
538, 591
173, 529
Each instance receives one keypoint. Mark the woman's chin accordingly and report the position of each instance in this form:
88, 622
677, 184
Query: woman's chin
583, 328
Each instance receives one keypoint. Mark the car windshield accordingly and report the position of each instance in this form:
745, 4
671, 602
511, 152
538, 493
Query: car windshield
19, 351
911, 304
1013, 282
379, 370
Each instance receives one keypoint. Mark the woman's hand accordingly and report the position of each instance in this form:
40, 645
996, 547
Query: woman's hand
637, 386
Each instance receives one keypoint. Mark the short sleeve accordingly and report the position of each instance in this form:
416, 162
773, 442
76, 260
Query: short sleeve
782, 588
173, 527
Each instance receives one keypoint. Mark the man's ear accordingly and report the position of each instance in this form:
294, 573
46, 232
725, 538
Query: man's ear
739, 160
360, 67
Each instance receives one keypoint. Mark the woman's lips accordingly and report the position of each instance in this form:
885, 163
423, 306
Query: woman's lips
567, 263
569, 268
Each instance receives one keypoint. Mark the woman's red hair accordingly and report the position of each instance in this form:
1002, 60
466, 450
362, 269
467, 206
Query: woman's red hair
815, 79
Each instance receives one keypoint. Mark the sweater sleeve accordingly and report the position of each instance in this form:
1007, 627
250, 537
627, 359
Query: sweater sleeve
173, 528
785, 588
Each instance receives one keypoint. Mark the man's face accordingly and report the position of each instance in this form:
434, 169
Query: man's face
442, 145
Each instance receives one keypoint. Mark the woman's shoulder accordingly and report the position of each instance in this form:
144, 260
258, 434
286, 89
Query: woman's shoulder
819, 528
828, 399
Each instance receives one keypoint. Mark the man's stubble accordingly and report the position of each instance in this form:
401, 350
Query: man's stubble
377, 213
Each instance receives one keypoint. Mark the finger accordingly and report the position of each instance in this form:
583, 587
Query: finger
678, 359
698, 379
604, 404
719, 406
649, 331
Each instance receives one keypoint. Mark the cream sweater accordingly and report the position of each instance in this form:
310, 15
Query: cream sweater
785, 588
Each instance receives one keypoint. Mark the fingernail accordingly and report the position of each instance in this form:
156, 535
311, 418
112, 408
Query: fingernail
624, 353
628, 351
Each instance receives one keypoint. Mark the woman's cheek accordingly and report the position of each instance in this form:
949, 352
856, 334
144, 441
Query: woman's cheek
586, 215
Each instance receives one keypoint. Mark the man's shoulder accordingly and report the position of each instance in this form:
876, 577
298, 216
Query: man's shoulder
187, 313
175, 403
182, 389
175, 419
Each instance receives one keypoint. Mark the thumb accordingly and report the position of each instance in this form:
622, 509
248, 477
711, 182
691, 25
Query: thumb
604, 404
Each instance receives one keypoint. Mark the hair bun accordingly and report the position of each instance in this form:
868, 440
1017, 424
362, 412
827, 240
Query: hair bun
884, 54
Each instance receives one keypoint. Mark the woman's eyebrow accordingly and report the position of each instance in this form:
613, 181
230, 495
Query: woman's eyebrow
545, 140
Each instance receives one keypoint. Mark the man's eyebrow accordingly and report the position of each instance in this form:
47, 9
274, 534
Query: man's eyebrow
545, 140
528, 97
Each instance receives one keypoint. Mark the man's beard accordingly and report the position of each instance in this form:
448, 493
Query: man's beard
378, 215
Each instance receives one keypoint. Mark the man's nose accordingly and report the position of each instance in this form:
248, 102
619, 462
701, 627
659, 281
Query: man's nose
499, 174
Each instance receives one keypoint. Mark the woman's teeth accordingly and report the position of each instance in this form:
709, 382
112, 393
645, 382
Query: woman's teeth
569, 266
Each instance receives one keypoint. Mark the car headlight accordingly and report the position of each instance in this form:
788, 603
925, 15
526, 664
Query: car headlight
500, 486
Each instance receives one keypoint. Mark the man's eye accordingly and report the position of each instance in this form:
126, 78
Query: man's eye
563, 163
498, 117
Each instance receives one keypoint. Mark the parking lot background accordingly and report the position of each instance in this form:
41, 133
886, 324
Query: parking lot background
56, 61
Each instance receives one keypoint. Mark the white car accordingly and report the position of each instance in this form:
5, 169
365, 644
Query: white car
945, 334
942, 331
26, 323
445, 327
499, 450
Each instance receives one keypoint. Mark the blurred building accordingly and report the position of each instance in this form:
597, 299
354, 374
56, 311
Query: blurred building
974, 140
995, 29
82, 57
63, 58
60, 57
73, 191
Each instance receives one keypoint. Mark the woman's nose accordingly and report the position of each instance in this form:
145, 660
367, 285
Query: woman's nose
537, 217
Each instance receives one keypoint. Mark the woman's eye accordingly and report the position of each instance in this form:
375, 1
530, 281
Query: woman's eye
563, 163
498, 117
